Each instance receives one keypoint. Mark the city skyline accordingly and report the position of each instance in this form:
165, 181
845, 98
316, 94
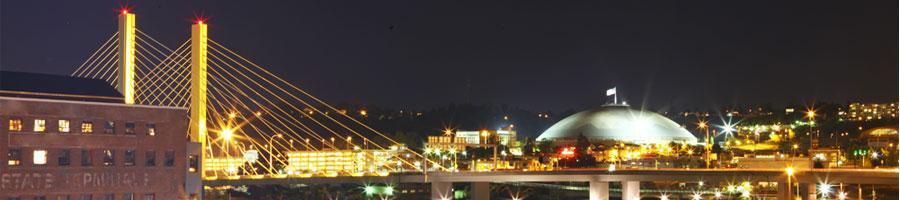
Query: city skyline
447, 100
669, 55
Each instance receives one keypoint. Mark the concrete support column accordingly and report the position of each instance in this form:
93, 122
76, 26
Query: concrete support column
631, 190
812, 192
803, 191
598, 190
783, 193
481, 191
441, 190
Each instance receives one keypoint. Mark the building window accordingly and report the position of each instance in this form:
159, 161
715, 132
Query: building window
170, 158
86, 158
15, 157
40, 125
193, 163
87, 197
13, 198
63, 197
64, 158
40, 198
110, 128
40, 157
128, 196
109, 157
129, 157
151, 129
87, 127
109, 197
150, 156
63, 126
129, 128
15, 125
150, 196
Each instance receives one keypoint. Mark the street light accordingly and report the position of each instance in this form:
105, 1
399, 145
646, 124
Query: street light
790, 172
811, 116
708, 147
349, 141
271, 148
332, 143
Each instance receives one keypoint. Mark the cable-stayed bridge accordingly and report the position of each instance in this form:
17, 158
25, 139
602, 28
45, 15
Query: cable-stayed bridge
254, 127
250, 122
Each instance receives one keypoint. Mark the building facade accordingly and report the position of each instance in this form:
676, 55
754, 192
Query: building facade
59, 149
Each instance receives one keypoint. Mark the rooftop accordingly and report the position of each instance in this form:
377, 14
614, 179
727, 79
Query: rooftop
48, 86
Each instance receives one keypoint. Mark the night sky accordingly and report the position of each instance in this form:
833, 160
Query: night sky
534, 54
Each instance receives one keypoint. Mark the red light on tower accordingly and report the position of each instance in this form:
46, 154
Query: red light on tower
124, 11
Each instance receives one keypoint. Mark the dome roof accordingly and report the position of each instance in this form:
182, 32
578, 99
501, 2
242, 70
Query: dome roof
618, 123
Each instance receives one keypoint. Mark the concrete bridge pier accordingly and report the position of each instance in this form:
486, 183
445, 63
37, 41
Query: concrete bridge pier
441, 190
783, 193
598, 190
631, 190
481, 190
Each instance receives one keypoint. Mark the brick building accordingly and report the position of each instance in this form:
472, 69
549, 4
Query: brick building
73, 139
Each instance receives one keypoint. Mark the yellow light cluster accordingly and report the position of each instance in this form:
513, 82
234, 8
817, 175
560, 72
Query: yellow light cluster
229, 165
338, 162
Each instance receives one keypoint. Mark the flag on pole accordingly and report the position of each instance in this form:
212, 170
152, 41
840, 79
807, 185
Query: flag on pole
611, 91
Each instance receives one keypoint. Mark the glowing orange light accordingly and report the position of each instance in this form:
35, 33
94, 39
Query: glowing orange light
199, 21
567, 152
124, 11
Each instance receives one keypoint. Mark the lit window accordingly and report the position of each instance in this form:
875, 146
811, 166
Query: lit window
40, 157
129, 128
87, 127
63, 126
128, 196
193, 163
40, 125
14, 157
109, 157
151, 129
150, 196
15, 125
129, 157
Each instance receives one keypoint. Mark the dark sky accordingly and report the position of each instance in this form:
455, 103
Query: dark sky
534, 54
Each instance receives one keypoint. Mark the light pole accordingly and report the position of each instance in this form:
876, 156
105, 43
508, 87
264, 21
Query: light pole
811, 115
271, 150
790, 172
349, 141
708, 146
332, 143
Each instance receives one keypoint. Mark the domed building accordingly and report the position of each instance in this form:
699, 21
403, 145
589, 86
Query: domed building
618, 123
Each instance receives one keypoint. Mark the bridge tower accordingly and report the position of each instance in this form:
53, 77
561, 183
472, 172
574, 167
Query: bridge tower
126, 56
198, 83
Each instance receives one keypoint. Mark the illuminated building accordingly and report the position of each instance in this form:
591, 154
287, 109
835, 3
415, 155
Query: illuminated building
502, 136
74, 138
343, 162
880, 137
231, 165
618, 123
866, 112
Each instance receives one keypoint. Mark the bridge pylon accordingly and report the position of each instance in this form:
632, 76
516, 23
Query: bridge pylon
198, 88
127, 56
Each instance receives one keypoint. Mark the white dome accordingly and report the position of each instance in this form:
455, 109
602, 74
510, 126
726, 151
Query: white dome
618, 123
